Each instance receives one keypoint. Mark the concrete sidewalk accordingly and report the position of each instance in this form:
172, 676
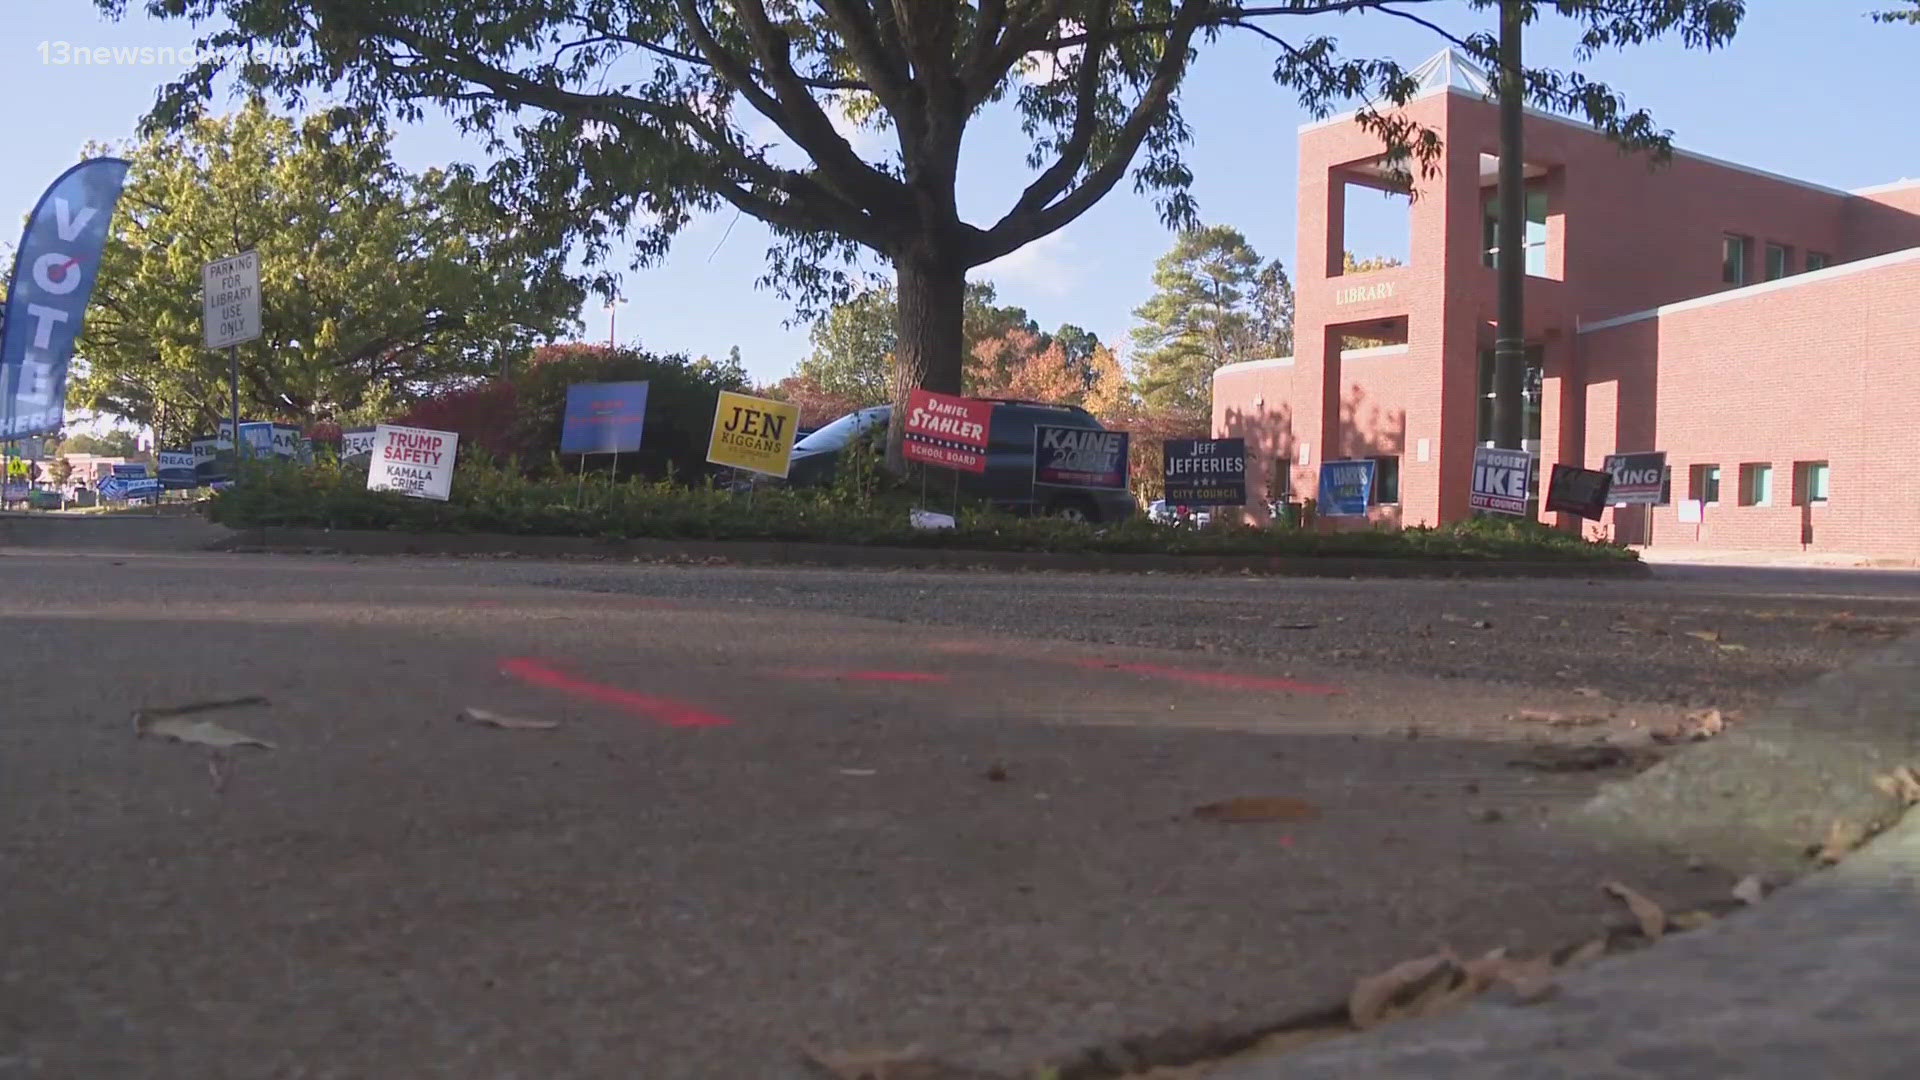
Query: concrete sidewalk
1821, 980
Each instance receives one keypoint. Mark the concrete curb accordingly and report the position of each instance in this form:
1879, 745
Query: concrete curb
773, 552
1757, 798
1818, 980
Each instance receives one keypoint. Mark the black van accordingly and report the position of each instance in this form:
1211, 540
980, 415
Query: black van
1008, 481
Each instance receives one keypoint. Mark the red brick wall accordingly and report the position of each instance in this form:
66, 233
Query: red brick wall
1625, 235
1826, 368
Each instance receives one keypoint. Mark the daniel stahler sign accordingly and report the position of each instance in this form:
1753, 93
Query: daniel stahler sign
1079, 457
1501, 479
947, 431
413, 461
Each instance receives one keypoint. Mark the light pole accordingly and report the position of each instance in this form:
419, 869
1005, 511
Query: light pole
1509, 335
613, 307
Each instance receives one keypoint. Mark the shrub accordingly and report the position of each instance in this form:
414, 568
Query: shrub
490, 499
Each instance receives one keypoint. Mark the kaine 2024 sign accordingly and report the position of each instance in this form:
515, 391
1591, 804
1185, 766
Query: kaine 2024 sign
413, 461
1205, 472
1079, 457
1500, 480
947, 431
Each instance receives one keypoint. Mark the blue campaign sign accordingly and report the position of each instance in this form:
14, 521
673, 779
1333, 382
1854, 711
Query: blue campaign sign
133, 471
1345, 487
53, 274
112, 487
140, 488
604, 418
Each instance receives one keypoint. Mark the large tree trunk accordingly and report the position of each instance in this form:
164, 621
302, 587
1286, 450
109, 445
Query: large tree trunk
932, 292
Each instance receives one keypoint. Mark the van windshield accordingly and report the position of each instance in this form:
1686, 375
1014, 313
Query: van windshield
837, 435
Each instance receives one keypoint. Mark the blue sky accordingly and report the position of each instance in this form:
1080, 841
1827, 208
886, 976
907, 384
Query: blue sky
1804, 90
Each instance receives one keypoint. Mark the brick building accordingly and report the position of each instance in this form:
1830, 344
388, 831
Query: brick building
1763, 331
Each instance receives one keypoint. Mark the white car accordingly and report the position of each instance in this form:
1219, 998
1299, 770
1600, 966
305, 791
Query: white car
1160, 512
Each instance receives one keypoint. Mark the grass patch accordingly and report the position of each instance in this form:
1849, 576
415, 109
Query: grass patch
494, 500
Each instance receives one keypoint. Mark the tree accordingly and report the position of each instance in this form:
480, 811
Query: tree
1892, 16
60, 470
854, 342
817, 406
629, 113
112, 444
1353, 264
1214, 303
376, 283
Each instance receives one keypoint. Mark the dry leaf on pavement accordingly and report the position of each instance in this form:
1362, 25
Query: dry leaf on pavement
1902, 783
1586, 954
1398, 986
1691, 920
1258, 808
908, 1064
1652, 919
1842, 838
508, 723
201, 732
1750, 889
1705, 635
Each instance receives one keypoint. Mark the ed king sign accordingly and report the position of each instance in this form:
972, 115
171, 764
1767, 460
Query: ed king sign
413, 461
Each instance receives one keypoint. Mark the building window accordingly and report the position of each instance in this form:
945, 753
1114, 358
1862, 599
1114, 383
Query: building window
1530, 433
1809, 483
1534, 240
1733, 259
1386, 481
1817, 261
1280, 481
1779, 261
1704, 484
1756, 484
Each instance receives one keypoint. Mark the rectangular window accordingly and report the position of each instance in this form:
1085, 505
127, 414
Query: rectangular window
1534, 237
1703, 484
1733, 259
1779, 261
1386, 481
1756, 484
1280, 481
1530, 388
1817, 261
1809, 483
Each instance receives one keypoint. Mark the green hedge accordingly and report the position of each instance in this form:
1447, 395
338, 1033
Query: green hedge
492, 500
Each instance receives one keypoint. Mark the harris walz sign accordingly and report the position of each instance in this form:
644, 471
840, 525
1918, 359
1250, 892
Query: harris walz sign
1205, 472
1079, 457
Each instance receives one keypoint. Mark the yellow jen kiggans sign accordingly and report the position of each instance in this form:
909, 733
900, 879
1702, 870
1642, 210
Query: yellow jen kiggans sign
753, 433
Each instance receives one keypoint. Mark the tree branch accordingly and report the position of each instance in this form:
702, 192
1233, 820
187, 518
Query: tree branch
1073, 155
1020, 228
794, 110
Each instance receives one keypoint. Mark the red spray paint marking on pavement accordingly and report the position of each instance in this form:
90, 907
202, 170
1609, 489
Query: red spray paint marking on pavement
864, 675
1224, 680
665, 710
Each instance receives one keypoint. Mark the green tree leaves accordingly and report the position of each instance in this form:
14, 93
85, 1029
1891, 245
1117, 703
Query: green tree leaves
1215, 302
377, 285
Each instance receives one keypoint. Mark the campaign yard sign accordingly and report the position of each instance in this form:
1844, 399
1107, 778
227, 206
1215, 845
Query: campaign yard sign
177, 470
604, 418
356, 443
1574, 490
413, 461
1079, 457
753, 433
1500, 480
1638, 479
947, 431
1204, 472
1346, 487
